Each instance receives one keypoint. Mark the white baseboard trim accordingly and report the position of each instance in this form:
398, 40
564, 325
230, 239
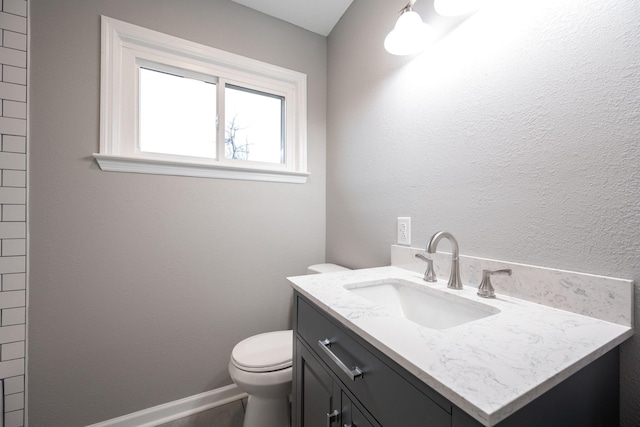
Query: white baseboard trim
177, 409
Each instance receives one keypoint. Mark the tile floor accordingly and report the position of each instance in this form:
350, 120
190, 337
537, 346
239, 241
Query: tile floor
229, 415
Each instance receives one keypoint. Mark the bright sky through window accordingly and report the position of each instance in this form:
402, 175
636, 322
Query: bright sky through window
177, 115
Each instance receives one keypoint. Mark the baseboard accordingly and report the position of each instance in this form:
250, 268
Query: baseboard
177, 409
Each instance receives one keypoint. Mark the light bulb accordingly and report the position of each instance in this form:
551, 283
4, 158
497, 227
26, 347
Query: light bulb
410, 35
456, 7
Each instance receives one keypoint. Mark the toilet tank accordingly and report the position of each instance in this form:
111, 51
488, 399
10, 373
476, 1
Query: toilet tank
325, 268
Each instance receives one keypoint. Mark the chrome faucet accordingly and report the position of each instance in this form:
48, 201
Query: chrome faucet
454, 279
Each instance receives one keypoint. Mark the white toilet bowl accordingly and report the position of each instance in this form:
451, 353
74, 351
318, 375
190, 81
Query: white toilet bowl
261, 366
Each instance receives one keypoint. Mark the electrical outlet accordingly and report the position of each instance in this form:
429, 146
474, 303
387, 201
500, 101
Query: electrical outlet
404, 230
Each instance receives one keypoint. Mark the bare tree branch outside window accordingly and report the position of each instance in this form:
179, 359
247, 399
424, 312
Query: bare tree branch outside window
233, 148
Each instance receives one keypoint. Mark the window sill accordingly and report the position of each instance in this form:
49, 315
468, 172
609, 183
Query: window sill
112, 163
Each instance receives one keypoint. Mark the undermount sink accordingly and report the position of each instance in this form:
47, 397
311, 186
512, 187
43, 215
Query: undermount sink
425, 306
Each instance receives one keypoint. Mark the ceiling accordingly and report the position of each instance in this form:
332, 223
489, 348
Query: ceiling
318, 16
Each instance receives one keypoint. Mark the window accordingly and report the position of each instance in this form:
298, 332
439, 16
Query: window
170, 106
254, 123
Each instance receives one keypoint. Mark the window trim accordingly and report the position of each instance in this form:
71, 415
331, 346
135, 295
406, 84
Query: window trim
126, 45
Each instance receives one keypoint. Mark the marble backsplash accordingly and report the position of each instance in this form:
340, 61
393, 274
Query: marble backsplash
605, 298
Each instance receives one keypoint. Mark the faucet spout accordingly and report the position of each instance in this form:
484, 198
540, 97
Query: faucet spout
455, 282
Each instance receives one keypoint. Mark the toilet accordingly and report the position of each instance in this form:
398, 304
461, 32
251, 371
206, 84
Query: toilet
261, 366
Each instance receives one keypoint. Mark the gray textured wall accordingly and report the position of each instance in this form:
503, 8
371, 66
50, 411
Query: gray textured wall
519, 133
140, 285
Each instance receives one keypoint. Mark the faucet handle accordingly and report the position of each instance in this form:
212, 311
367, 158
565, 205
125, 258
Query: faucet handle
485, 290
429, 274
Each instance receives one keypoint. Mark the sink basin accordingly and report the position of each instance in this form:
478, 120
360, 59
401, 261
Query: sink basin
428, 307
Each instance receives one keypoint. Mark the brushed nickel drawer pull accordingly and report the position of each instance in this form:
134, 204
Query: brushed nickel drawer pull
351, 373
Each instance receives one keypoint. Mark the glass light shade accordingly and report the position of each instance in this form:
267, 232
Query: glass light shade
456, 7
410, 35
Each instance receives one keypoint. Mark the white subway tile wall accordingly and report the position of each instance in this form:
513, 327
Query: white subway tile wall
13, 199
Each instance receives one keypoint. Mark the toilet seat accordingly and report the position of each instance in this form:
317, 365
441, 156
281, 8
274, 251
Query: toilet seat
267, 352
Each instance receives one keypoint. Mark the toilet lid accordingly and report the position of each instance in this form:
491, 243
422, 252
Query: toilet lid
266, 352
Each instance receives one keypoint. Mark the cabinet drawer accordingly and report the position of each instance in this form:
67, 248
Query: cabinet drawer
381, 389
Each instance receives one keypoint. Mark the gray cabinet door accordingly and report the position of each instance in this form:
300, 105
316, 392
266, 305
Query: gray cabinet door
318, 398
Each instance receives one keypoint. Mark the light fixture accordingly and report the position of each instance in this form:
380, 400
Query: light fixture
456, 7
410, 35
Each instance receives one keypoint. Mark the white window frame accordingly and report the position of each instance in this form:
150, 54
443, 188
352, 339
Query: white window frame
126, 47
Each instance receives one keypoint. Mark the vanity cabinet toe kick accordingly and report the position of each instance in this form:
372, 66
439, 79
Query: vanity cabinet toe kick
341, 380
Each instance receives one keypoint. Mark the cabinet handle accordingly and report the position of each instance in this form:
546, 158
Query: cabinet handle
351, 373
332, 417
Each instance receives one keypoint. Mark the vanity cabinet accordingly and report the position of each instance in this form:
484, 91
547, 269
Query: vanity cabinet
387, 395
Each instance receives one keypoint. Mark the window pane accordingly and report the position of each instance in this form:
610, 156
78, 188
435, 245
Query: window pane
177, 115
254, 128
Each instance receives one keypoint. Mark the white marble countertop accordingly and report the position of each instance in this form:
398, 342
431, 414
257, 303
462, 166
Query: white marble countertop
490, 367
